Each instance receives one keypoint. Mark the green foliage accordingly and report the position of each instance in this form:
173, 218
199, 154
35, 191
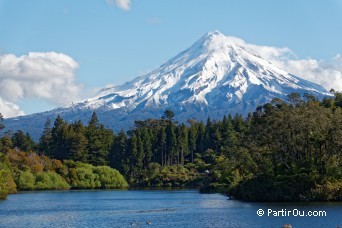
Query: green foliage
110, 178
34, 172
22, 141
99, 140
77, 142
290, 149
7, 184
50, 181
297, 150
167, 176
59, 140
169, 115
25, 180
45, 140
86, 176
119, 152
89, 144
3, 188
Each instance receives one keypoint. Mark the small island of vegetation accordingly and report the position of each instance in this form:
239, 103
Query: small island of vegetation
284, 151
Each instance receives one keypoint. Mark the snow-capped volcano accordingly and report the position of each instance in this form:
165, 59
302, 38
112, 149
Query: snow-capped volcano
217, 71
217, 75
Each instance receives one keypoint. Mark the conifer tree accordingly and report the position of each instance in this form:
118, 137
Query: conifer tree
22, 141
45, 140
59, 140
171, 140
118, 154
147, 146
162, 145
99, 141
78, 142
182, 142
192, 141
133, 145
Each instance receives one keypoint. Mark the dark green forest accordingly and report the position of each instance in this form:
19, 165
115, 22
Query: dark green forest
284, 151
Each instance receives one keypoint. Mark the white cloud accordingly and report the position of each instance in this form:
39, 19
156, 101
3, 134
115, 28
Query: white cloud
46, 75
327, 73
122, 4
323, 72
9, 109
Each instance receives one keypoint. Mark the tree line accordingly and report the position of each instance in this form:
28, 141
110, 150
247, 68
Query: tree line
290, 150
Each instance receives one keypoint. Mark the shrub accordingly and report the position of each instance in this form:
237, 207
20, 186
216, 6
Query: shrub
110, 178
26, 180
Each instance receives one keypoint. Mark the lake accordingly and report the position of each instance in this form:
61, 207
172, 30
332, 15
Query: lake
156, 208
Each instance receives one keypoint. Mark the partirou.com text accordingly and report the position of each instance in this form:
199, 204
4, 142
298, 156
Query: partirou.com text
292, 212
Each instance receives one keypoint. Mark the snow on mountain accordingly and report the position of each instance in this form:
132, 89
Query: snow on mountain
217, 75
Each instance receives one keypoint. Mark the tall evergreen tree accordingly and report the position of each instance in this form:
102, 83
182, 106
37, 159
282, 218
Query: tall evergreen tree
59, 140
119, 152
192, 138
162, 145
78, 142
45, 140
147, 146
22, 141
168, 115
182, 142
132, 169
200, 141
99, 141
171, 143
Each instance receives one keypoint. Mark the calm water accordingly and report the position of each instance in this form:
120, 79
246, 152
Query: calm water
160, 208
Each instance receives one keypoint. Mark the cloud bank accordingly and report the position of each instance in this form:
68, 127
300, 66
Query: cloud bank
46, 75
122, 4
327, 73
9, 109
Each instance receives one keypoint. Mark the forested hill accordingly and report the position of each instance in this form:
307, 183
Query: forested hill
290, 149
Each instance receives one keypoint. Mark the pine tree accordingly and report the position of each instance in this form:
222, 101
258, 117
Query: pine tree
171, 143
168, 115
209, 135
59, 140
99, 141
78, 142
140, 153
338, 99
192, 141
162, 145
23, 141
133, 147
19, 140
200, 141
147, 146
45, 140
182, 141
118, 154
229, 136
6, 143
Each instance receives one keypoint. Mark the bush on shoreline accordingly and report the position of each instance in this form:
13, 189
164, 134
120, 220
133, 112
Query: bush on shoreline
29, 171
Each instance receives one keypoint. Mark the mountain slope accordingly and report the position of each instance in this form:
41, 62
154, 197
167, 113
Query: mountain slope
217, 75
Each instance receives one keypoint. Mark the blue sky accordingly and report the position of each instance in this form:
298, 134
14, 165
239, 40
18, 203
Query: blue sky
112, 41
